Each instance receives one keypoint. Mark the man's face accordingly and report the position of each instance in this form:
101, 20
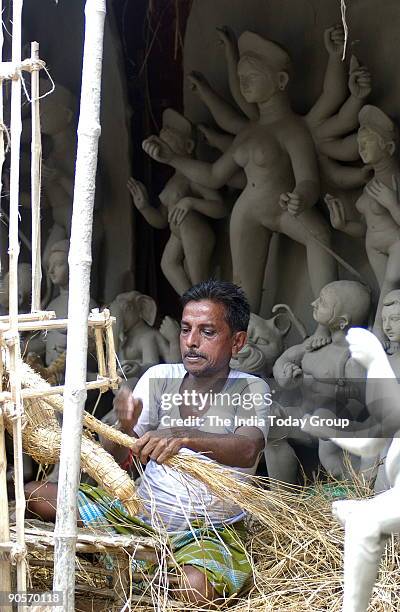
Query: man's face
206, 340
391, 322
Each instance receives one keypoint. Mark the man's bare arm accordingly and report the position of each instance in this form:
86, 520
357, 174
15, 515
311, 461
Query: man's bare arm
240, 449
128, 410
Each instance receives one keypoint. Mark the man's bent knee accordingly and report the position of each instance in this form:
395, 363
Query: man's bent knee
195, 587
41, 499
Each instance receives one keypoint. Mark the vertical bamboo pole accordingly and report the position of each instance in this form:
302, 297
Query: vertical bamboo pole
13, 249
101, 360
2, 154
5, 567
78, 303
36, 159
112, 366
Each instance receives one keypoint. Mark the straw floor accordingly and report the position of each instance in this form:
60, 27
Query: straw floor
296, 555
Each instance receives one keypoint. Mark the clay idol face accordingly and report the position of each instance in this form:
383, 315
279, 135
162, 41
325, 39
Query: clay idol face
323, 308
370, 146
58, 268
256, 85
391, 322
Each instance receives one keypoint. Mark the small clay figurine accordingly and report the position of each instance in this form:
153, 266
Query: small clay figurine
328, 379
185, 207
379, 204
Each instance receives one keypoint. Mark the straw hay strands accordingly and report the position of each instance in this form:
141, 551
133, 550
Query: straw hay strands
297, 562
295, 545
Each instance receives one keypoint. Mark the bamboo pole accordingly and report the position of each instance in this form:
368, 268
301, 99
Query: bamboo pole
65, 533
42, 315
102, 383
2, 152
36, 160
13, 249
101, 360
5, 566
111, 362
26, 323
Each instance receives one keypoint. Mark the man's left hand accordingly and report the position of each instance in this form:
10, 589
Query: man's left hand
160, 445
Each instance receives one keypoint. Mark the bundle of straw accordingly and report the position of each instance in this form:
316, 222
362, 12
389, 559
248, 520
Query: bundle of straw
41, 438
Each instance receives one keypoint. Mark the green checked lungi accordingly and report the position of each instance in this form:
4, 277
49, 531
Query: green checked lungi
217, 551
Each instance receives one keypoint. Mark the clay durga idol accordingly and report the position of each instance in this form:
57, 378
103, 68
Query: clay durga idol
331, 120
278, 158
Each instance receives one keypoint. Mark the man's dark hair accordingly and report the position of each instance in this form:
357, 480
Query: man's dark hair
233, 298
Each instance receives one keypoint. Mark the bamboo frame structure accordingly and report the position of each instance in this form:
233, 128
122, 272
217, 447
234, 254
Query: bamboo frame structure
11, 402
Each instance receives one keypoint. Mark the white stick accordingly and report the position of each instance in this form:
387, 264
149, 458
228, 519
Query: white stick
15, 354
36, 160
2, 126
78, 303
5, 566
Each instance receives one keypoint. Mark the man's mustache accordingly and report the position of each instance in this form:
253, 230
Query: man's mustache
194, 354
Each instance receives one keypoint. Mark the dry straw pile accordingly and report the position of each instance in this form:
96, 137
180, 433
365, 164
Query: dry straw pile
296, 554
295, 545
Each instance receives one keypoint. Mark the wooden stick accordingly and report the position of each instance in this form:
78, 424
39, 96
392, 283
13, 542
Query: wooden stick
42, 315
101, 360
5, 566
15, 354
102, 383
111, 361
2, 128
36, 162
41, 325
80, 260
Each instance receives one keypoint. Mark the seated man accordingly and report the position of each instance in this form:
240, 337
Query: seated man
198, 406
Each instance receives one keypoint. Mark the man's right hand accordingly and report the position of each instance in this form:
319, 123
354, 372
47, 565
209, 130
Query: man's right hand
127, 409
